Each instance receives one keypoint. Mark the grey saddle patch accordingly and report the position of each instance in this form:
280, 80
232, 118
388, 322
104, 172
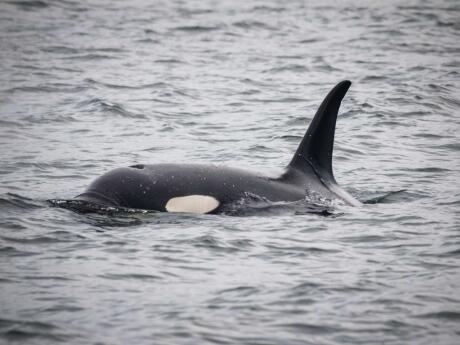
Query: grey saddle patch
192, 204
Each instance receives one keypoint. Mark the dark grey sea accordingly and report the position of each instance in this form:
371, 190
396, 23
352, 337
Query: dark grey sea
88, 86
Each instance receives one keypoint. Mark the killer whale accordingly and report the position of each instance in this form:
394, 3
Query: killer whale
196, 188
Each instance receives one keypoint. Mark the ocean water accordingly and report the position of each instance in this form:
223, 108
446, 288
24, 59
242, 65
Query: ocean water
88, 86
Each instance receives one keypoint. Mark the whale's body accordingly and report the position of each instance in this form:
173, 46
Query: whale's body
208, 188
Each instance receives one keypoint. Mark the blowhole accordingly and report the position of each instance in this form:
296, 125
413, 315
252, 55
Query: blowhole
137, 166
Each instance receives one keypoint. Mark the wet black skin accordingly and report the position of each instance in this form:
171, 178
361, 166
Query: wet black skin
150, 187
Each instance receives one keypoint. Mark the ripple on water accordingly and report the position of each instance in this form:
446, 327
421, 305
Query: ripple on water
441, 316
238, 79
10, 251
141, 277
393, 197
29, 4
16, 201
196, 28
108, 108
25, 330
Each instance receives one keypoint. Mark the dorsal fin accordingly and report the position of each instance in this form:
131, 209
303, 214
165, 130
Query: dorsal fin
316, 146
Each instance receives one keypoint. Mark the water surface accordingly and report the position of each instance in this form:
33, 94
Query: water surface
88, 86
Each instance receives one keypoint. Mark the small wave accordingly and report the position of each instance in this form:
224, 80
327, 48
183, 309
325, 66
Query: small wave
60, 50
279, 100
128, 87
310, 40
374, 78
238, 292
148, 40
307, 328
63, 308
451, 24
394, 197
26, 67
429, 169
110, 108
45, 119
24, 331
287, 68
451, 146
451, 102
8, 123
105, 50
278, 250
196, 28
305, 287
252, 24
28, 4
290, 138
260, 148
265, 8
447, 254
248, 92
10, 251
18, 201
31, 240
450, 202
430, 136
441, 315
55, 278
197, 11
169, 61
20, 335
47, 88
89, 57
212, 243
6, 281
130, 276
365, 239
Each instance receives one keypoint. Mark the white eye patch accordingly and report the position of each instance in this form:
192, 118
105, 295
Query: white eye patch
192, 204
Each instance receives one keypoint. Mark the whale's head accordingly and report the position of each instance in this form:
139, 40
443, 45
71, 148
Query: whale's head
119, 187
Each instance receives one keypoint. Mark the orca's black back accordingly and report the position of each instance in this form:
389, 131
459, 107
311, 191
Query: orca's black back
151, 186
